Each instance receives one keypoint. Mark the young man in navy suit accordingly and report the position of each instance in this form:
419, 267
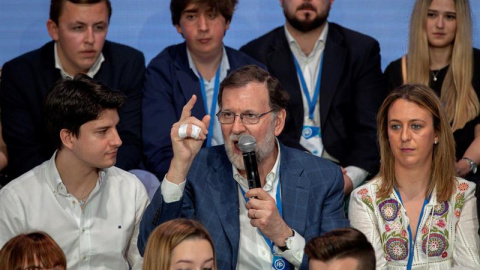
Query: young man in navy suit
196, 66
300, 196
78, 29
334, 79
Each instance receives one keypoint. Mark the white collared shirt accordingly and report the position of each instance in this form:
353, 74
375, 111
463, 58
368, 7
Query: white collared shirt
101, 236
310, 66
209, 89
91, 72
253, 250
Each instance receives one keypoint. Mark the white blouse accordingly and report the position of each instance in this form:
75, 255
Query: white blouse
447, 230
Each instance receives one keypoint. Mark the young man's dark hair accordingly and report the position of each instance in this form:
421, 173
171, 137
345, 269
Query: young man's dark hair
56, 7
342, 244
73, 102
224, 7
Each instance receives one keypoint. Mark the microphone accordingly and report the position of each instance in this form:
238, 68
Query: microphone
247, 144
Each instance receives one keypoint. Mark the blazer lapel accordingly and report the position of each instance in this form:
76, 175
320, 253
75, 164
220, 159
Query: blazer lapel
189, 82
295, 191
333, 64
224, 191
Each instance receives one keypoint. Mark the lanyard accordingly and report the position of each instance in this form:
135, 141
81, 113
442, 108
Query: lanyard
277, 262
312, 102
411, 242
214, 102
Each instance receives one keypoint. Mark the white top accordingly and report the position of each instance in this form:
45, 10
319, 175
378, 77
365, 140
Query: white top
253, 252
310, 65
450, 228
102, 236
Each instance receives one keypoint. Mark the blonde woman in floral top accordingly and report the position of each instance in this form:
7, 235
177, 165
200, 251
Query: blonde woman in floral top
416, 213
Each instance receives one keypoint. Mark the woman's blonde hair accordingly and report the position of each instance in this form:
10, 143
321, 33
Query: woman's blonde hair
457, 94
442, 173
167, 236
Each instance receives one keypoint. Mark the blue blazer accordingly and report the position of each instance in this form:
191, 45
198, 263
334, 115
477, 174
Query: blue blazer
25, 83
169, 84
352, 90
312, 199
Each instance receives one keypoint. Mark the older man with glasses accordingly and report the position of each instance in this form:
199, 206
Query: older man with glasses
300, 196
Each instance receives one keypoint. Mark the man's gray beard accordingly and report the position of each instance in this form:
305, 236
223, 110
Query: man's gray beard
262, 151
306, 26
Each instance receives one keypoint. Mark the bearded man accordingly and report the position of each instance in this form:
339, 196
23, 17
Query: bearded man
334, 79
300, 195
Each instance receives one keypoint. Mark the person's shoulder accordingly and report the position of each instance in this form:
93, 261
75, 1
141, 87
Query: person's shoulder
238, 58
369, 188
464, 188
310, 161
35, 57
168, 55
350, 34
30, 182
120, 51
265, 40
394, 65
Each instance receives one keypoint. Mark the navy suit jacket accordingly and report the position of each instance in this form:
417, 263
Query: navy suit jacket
312, 199
169, 85
352, 90
25, 83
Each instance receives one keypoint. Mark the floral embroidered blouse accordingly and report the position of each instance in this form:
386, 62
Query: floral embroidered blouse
447, 230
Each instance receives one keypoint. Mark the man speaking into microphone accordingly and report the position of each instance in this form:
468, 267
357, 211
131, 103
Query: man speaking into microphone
301, 195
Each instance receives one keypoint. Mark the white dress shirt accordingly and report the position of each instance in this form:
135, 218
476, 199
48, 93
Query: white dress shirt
253, 251
310, 65
101, 236
209, 89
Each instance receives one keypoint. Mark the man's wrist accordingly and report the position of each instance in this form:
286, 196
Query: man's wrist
286, 243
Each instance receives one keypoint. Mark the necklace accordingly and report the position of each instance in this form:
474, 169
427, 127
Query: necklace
435, 74
83, 200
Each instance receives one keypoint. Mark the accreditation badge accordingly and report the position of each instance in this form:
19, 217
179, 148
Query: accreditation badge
311, 139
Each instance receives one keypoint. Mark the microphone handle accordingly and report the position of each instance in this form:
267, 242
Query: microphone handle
253, 178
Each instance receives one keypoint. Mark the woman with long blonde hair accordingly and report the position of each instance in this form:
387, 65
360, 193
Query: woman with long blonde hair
179, 244
440, 55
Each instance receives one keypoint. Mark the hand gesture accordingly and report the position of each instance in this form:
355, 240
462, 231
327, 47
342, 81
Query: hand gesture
187, 137
263, 213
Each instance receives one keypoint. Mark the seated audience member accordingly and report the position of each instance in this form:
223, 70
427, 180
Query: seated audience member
340, 249
194, 67
179, 244
32, 251
78, 29
300, 196
416, 213
91, 208
334, 79
440, 55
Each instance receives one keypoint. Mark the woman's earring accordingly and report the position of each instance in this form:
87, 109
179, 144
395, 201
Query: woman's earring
435, 142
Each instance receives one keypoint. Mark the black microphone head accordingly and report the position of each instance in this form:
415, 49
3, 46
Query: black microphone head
247, 143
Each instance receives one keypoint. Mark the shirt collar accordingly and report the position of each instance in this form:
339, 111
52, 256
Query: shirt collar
272, 176
91, 72
319, 45
224, 64
56, 183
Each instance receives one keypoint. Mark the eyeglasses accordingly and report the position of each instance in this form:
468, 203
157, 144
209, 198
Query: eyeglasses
246, 118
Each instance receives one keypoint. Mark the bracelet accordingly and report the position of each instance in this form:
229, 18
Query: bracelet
473, 165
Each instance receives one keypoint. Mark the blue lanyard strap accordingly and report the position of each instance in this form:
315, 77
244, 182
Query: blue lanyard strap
312, 102
278, 262
214, 102
411, 242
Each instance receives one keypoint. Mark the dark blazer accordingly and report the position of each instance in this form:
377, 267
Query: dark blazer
25, 83
352, 90
169, 84
312, 199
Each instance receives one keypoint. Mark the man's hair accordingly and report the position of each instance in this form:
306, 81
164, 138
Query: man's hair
29, 249
56, 7
74, 102
169, 235
277, 97
224, 7
341, 244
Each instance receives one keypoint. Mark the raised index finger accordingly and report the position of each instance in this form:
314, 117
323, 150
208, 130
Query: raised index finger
187, 109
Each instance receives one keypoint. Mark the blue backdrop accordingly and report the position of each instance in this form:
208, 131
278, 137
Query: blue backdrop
146, 24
